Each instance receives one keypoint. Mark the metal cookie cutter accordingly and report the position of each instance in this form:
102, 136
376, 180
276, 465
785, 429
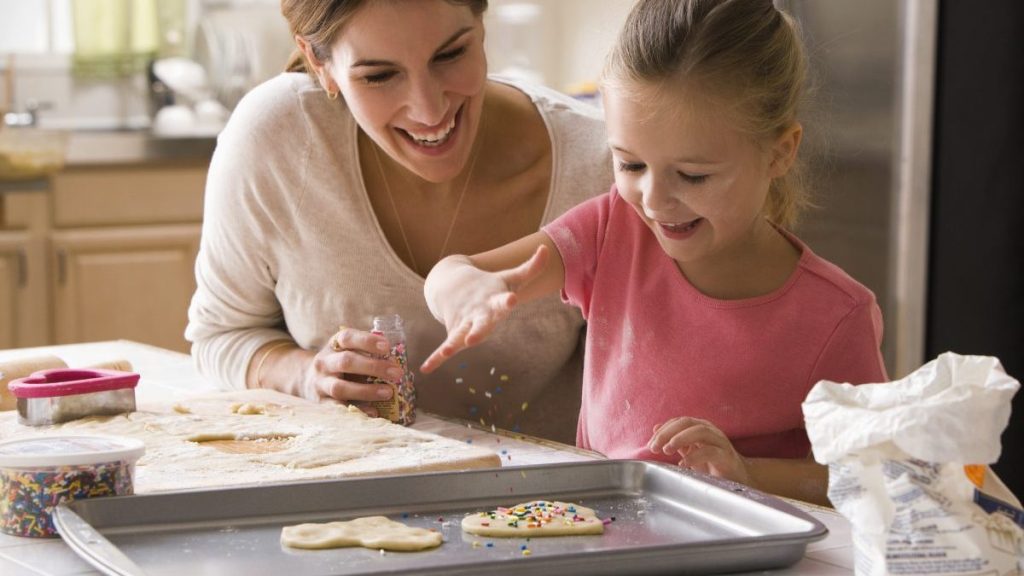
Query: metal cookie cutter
63, 394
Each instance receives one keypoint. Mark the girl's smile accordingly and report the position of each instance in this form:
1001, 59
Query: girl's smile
681, 230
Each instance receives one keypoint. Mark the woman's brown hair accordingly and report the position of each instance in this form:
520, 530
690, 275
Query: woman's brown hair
744, 52
319, 21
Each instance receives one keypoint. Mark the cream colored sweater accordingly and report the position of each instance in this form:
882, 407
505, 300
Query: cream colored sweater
292, 249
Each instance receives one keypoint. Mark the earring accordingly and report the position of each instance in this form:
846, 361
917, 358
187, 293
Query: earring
332, 94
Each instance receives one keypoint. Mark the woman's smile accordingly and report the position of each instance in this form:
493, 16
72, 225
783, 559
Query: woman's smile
434, 141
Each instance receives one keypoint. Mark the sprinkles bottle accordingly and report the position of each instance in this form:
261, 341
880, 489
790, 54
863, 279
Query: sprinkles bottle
401, 407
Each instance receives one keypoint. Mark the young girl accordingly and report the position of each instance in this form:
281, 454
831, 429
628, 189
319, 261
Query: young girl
708, 321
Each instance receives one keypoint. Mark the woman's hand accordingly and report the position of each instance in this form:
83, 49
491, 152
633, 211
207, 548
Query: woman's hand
339, 371
471, 302
701, 446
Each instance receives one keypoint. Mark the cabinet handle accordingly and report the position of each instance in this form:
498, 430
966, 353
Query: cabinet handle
62, 265
22, 268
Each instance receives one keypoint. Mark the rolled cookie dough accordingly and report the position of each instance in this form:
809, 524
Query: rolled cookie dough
533, 519
377, 532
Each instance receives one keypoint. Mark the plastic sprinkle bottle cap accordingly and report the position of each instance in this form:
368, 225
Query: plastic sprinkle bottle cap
68, 451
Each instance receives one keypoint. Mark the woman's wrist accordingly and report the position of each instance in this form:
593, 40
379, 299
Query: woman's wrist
262, 364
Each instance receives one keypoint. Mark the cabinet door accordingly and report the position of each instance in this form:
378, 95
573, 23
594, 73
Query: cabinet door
23, 294
131, 283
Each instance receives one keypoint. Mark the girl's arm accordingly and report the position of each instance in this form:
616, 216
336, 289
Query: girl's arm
798, 478
470, 295
703, 447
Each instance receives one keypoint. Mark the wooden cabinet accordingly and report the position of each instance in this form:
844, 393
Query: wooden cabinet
23, 318
123, 250
24, 277
133, 283
105, 253
13, 271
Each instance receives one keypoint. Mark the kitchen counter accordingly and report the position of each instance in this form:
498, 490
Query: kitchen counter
168, 376
89, 148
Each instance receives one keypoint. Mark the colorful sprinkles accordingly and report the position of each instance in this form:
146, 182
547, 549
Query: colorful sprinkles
536, 515
401, 407
30, 496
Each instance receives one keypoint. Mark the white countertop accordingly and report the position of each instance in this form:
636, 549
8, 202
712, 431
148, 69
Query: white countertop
169, 376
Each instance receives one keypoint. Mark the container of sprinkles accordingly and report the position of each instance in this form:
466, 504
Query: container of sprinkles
37, 474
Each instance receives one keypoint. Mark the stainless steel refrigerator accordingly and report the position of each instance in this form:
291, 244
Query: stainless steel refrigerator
917, 132
868, 143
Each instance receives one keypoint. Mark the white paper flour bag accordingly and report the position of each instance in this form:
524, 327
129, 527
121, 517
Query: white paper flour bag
897, 452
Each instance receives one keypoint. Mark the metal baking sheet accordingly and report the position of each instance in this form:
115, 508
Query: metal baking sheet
666, 521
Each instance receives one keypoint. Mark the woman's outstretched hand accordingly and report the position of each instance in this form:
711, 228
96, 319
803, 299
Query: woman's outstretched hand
470, 302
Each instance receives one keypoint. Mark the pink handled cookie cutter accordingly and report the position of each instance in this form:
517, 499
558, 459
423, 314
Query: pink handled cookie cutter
63, 394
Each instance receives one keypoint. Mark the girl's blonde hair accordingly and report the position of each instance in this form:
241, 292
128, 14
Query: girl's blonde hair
741, 52
319, 22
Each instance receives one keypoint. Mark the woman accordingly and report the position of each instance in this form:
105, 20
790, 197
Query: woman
333, 193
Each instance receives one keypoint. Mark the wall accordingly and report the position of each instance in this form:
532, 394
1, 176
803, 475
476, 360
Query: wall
567, 42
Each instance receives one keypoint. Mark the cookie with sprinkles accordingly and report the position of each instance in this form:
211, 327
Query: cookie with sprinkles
534, 519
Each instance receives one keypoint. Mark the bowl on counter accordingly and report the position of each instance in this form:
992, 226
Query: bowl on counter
30, 153
37, 474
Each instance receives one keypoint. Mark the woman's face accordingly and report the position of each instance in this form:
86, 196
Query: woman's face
413, 74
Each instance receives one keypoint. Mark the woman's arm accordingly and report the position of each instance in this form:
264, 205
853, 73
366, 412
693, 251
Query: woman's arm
470, 295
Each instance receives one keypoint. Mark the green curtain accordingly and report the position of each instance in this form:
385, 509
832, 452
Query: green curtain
114, 37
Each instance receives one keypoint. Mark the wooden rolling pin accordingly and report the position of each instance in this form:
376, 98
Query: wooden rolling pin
22, 367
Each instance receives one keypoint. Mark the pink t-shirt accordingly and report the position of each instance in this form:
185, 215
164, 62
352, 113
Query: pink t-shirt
657, 348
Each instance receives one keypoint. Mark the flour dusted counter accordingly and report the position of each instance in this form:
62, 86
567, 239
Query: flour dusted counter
168, 378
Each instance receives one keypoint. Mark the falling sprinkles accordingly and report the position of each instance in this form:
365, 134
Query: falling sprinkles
491, 412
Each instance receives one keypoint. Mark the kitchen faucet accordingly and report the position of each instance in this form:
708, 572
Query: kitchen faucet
30, 117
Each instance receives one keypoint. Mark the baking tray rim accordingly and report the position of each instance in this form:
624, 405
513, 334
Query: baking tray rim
73, 527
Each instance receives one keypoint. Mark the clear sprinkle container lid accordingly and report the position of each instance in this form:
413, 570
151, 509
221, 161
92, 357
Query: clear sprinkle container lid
48, 451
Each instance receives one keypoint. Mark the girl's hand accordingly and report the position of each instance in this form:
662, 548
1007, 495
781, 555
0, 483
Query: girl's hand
701, 446
339, 371
471, 302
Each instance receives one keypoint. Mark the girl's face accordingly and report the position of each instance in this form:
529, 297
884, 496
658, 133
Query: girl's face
698, 183
413, 73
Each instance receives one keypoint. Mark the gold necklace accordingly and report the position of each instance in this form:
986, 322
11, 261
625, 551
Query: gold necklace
458, 205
